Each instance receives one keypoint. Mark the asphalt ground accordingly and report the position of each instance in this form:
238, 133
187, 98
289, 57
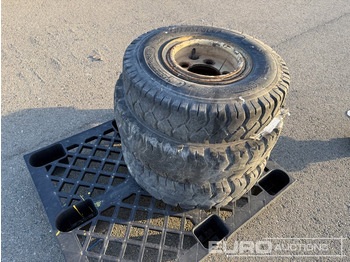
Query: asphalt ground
52, 88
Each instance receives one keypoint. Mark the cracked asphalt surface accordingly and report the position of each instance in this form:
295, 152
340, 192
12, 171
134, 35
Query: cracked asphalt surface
52, 88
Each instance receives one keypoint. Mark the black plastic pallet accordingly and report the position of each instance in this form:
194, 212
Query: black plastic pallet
131, 225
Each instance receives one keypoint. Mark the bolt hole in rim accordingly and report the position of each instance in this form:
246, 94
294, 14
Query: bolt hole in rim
184, 65
204, 70
206, 60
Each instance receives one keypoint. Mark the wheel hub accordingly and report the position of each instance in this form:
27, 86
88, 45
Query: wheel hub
206, 60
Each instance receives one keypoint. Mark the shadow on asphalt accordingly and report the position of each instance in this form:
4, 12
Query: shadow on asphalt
295, 155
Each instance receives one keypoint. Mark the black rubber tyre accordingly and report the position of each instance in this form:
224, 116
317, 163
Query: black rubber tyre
189, 163
197, 112
188, 195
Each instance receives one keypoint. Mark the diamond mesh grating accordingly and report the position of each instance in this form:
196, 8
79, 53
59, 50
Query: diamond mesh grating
89, 169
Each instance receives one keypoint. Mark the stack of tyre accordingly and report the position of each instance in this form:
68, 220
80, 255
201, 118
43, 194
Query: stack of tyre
197, 138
